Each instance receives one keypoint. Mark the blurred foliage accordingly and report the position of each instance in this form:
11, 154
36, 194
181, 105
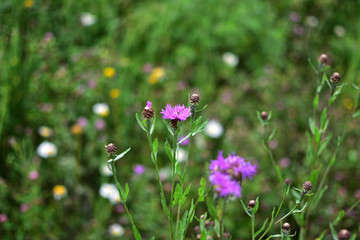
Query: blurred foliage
52, 66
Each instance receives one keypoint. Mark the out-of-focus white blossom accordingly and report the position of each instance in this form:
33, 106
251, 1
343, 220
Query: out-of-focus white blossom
46, 149
104, 170
214, 129
87, 19
109, 191
230, 59
116, 230
101, 109
339, 31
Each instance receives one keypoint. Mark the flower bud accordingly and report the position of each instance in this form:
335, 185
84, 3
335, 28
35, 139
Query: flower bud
148, 111
251, 204
344, 234
174, 123
307, 186
264, 116
323, 58
286, 227
335, 78
287, 181
111, 148
194, 99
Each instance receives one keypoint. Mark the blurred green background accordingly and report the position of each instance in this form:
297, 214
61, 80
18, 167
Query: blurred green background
59, 58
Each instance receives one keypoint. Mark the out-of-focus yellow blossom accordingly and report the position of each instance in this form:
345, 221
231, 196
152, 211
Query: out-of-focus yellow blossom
28, 3
156, 75
45, 131
76, 129
114, 93
124, 61
348, 104
59, 191
109, 72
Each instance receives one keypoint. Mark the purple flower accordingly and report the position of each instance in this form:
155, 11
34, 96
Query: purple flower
82, 121
148, 104
139, 169
179, 112
185, 142
3, 218
100, 124
227, 173
33, 175
224, 185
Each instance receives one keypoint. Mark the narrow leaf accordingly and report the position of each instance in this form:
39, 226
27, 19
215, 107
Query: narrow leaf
139, 122
136, 233
120, 155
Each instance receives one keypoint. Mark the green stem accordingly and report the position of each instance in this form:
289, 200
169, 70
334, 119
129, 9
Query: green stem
278, 173
252, 226
173, 180
277, 213
286, 215
120, 193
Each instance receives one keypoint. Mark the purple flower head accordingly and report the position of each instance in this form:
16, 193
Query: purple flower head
148, 104
179, 112
82, 121
3, 218
100, 124
224, 185
139, 169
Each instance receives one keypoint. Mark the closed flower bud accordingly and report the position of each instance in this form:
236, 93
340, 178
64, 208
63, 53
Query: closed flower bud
344, 234
251, 204
287, 181
111, 148
174, 124
286, 227
264, 116
323, 58
307, 186
335, 78
194, 99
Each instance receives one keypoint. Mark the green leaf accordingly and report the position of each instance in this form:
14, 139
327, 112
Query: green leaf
120, 155
185, 194
201, 109
272, 135
170, 130
256, 206
300, 210
200, 128
323, 119
318, 198
316, 101
312, 66
201, 190
136, 233
245, 208
163, 203
324, 144
261, 229
169, 151
317, 135
152, 127
336, 94
333, 232
310, 149
192, 213
127, 190
185, 138
332, 161
217, 227
314, 176
312, 125
139, 122
183, 226
338, 218
177, 195
353, 237
211, 208
155, 146
356, 114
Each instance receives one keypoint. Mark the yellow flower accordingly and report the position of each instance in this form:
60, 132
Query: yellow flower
59, 191
76, 129
156, 75
28, 3
114, 93
45, 131
348, 104
109, 72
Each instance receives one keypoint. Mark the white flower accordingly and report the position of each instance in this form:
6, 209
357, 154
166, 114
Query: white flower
164, 173
45, 131
230, 59
181, 155
214, 129
312, 21
46, 149
116, 230
104, 170
339, 31
101, 109
109, 191
87, 19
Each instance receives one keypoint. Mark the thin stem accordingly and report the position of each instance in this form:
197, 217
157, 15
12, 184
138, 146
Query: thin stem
296, 205
173, 180
252, 226
156, 166
277, 213
120, 193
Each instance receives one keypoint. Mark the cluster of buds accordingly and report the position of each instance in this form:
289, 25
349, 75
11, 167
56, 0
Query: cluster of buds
251, 204
194, 99
287, 181
335, 78
148, 111
264, 116
324, 59
286, 227
307, 187
344, 234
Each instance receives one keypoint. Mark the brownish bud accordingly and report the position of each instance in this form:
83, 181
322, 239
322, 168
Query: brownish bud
194, 99
287, 181
174, 123
323, 58
344, 234
111, 148
148, 112
335, 78
226, 235
307, 186
286, 227
251, 204
264, 116
197, 229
